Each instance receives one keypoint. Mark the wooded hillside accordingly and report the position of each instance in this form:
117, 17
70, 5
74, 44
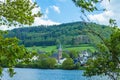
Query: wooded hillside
68, 34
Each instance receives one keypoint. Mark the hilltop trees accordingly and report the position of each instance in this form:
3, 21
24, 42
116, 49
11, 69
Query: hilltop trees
69, 34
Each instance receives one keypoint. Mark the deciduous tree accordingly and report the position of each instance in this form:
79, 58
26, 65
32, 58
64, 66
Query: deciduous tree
11, 53
68, 64
17, 12
12, 13
108, 60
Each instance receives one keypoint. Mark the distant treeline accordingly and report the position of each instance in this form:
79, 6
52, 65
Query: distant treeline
67, 34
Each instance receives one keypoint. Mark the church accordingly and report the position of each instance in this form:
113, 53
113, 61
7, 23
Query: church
58, 55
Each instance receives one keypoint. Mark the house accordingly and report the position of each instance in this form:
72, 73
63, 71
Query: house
83, 57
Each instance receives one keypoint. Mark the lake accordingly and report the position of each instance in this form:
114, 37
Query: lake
48, 74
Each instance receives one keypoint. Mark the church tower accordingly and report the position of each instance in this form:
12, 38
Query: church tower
59, 53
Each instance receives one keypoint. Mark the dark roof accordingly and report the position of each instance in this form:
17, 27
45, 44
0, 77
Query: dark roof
55, 55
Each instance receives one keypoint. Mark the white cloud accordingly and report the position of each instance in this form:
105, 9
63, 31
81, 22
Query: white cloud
44, 20
102, 18
2, 0
55, 8
47, 11
40, 21
36, 10
5, 27
37, 21
112, 12
45, 15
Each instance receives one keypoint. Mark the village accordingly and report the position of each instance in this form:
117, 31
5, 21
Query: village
82, 57
79, 58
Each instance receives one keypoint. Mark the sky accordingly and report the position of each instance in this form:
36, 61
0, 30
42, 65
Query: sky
56, 12
65, 11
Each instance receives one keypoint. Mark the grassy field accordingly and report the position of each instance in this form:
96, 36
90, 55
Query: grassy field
47, 48
81, 48
54, 48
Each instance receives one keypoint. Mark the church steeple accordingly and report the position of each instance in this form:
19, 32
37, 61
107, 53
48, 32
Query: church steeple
60, 48
59, 53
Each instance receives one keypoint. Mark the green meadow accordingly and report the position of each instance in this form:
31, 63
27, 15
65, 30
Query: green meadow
65, 47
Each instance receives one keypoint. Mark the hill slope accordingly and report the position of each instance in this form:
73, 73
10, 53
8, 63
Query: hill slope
68, 34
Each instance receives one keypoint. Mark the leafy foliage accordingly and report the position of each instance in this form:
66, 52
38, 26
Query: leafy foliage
48, 63
86, 5
73, 54
11, 53
108, 60
44, 62
14, 12
17, 12
68, 64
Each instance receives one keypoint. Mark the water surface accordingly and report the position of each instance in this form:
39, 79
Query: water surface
48, 74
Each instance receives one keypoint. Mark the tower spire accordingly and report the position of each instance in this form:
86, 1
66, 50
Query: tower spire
60, 48
59, 53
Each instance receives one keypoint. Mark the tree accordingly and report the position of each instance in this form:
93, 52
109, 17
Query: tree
42, 56
108, 60
68, 64
48, 63
11, 53
45, 62
65, 55
77, 65
87, 6
17, 12
14, 12
73, 54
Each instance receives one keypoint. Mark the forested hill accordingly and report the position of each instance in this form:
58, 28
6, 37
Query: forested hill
68, 34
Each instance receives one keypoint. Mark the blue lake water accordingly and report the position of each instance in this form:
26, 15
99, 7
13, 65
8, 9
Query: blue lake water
48, 74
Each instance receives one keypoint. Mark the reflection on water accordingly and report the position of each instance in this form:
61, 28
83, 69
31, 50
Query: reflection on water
43, 74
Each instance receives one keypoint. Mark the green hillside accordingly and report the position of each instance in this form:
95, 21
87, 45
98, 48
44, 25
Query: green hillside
67, 34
